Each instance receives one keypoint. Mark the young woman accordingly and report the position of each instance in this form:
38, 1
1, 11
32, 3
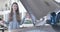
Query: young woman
14, 17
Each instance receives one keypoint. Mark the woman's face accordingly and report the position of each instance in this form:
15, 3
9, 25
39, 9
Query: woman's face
14, 7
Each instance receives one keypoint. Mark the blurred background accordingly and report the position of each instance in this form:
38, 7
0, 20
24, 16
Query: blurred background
5, 7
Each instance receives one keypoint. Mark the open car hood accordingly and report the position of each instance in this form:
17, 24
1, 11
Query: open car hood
39, 8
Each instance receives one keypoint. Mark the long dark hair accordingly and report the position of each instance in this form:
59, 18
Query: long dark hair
17, 13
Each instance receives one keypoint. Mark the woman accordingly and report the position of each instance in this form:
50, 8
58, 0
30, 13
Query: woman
14, 17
